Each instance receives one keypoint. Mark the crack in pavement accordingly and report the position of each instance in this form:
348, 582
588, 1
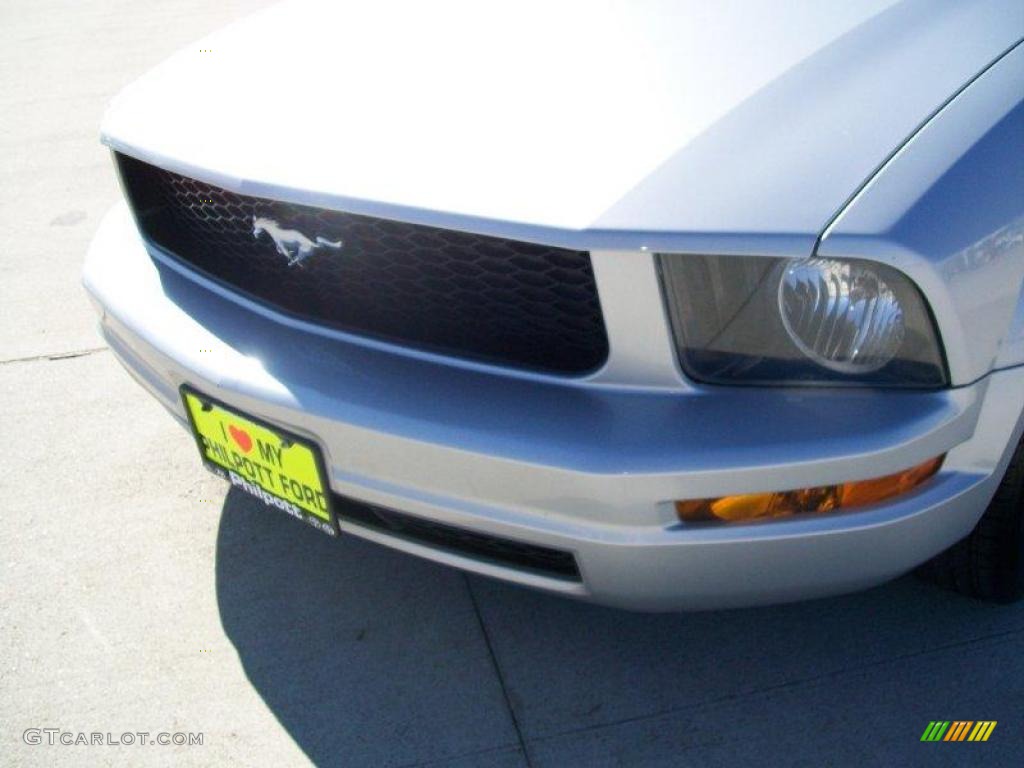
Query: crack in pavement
998, 636
56, 355
498, 671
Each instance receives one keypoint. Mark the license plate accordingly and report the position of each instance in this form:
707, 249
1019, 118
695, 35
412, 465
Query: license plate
280, 469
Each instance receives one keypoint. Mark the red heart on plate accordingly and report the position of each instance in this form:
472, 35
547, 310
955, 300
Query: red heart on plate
241, 437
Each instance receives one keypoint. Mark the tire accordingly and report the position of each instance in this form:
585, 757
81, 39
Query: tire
988, 563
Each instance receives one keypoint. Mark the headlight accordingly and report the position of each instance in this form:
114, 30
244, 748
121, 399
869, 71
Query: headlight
843, 316
804, 321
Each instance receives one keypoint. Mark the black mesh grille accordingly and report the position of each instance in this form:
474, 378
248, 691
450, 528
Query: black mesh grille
530, 557
456, 293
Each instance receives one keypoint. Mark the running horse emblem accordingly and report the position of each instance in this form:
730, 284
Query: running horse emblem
291, 243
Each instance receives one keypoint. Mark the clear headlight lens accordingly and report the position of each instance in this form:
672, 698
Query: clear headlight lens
841, 315
782, 321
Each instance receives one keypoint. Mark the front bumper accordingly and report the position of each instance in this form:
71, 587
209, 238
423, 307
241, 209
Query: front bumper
586, 466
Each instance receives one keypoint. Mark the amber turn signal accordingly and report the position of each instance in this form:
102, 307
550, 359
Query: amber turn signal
826, 498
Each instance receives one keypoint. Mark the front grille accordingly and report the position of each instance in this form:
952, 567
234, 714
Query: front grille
494, 549
486, 298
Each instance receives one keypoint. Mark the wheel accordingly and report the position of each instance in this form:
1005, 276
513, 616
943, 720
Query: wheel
989, 562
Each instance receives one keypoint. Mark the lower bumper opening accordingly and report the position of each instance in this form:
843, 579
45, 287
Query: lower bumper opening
553, 563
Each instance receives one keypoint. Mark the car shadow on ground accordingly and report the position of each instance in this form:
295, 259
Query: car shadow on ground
370, 656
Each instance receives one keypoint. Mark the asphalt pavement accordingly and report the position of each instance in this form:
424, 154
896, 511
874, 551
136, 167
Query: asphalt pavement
139, 595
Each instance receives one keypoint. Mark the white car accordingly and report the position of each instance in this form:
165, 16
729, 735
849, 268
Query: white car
665, 305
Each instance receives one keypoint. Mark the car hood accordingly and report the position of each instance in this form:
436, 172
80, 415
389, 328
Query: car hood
730, 125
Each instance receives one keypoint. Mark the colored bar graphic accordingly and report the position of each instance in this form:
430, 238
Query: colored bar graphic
958, 730
935, 730
983, 730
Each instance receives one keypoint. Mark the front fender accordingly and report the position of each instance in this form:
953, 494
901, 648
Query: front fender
948, 209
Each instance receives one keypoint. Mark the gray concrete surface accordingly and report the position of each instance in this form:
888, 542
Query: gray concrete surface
138, 595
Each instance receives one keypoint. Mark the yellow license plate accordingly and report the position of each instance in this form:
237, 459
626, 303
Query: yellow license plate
283, 470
